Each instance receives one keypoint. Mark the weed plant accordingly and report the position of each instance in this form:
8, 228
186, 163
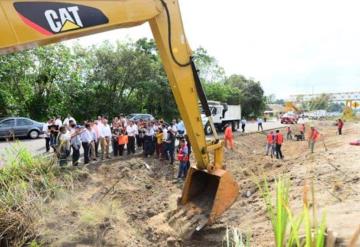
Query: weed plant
290, 230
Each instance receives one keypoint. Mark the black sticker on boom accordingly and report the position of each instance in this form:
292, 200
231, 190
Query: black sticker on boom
51, 18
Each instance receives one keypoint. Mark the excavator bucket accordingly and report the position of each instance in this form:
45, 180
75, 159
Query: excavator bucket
206, 195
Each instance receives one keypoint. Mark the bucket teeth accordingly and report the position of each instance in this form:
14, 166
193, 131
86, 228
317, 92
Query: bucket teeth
207, 195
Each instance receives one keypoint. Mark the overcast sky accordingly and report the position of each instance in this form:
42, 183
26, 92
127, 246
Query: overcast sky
292, 47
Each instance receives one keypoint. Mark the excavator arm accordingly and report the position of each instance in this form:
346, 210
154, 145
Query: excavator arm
25, 24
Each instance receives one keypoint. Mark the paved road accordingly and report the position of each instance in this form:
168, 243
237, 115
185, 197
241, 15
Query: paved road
38, 146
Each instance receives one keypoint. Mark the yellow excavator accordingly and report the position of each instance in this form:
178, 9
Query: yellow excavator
290, 106
348, 113
208, 190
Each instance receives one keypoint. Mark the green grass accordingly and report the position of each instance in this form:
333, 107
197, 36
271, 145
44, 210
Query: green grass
290, 230
26, 181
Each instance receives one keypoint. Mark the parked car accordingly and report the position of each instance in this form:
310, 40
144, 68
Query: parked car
289, 118
140, 116
20, 127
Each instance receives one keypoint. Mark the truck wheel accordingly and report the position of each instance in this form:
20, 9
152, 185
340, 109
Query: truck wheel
208, 130
34, 134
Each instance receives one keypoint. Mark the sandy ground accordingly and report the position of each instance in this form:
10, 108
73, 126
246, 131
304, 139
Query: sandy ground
335, 172
134, 202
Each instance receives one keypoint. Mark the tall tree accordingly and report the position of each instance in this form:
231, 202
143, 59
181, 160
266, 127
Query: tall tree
209, 69
251, 96
320, 103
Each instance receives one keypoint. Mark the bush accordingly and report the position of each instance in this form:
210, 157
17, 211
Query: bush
26, 181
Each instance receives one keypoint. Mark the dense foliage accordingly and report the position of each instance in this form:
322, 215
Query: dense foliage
108, 79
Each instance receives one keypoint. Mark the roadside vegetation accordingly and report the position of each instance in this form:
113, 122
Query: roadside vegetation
26, 184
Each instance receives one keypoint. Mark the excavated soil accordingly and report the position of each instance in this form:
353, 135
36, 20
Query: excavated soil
134, 202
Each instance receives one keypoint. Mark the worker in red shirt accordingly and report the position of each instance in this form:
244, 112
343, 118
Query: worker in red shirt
279, 139
314, 137
340, 126
270, 141
228, 136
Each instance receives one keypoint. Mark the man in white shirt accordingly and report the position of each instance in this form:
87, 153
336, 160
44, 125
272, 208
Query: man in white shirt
260, 124
105, 134
155, 126
96, 129
67, 119
243, 124
136, 126
123, 120
173, 127
46, 131
149, 140
86, 138
180, 128
58, 121
75, 142
131, 132
94, 141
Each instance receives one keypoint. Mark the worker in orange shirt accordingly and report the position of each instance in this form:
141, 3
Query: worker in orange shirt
229, 138
279, 139
270, 141
314, 137
122, 141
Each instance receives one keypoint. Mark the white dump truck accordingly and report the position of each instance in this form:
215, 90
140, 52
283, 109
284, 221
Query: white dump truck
222, 114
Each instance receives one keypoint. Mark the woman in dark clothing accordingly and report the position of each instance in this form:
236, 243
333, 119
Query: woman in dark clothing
170, 145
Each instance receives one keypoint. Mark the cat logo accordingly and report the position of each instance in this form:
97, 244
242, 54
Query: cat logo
64, 20
51, 18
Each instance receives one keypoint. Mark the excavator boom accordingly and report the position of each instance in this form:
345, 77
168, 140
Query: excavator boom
25, 24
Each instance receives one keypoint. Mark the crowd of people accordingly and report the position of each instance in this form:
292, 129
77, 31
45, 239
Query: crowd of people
151, 138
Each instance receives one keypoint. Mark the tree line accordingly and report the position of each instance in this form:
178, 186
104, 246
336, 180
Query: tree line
110, 79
